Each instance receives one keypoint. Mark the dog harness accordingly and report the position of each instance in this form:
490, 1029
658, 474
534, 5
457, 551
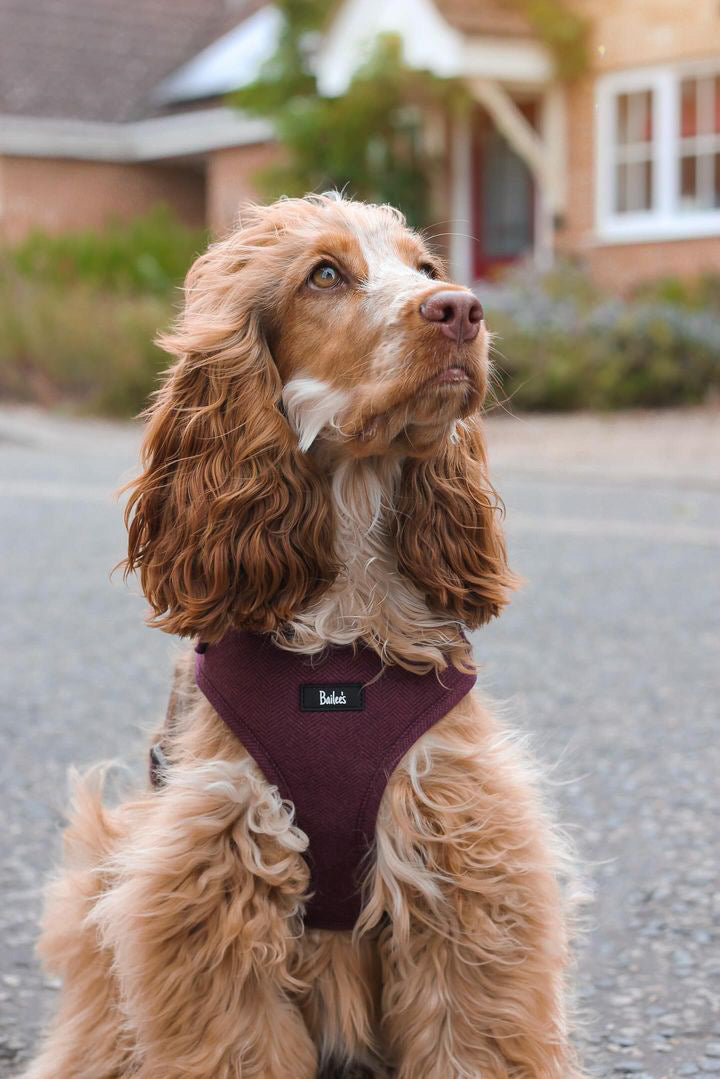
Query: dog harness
327, 731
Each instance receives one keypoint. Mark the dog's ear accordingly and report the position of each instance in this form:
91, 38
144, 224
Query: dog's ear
447, 530
229, 525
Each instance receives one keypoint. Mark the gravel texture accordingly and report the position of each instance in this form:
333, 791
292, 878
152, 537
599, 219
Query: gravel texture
608, 658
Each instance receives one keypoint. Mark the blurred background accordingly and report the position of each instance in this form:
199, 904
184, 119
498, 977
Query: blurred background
568, 151
564, 157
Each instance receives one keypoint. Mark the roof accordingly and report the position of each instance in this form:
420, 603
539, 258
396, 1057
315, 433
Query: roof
234, 60
486, 17
101, 59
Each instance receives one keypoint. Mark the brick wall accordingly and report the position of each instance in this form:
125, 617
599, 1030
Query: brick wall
621, 266
59, 194
231, 180
627, 33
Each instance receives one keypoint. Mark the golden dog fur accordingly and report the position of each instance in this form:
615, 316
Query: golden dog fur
309, 473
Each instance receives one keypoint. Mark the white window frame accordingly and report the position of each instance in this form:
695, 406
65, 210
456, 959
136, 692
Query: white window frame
665, 220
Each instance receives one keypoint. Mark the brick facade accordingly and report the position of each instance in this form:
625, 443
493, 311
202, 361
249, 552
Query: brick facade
619, 267
231, 181
58, 194
628, 33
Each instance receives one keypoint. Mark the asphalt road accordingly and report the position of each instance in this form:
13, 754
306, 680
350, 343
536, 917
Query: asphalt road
608, 658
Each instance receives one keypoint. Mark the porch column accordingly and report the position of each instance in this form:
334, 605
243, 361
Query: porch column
461, 213
553, 130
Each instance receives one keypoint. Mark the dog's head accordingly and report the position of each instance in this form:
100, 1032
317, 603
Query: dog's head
320, 330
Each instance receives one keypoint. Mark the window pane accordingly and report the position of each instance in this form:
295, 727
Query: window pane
705, 193
688, 108
688, 180
639, 196
706, 106
634, 117
633, 187
700, 181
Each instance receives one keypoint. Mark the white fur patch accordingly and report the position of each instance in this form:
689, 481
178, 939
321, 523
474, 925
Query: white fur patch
391, 283
312, 404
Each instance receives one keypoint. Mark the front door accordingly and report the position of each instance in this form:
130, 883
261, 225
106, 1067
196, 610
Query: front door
503, 198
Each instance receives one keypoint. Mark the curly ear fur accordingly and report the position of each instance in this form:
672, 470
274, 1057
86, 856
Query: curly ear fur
229, 524
447, 533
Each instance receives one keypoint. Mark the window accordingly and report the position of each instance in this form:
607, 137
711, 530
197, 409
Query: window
633, 152
699, 158
658, 153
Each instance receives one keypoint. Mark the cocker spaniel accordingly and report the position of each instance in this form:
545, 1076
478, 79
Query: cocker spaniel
342, 861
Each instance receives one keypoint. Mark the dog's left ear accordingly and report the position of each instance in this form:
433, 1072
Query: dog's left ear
229, 525
447, 530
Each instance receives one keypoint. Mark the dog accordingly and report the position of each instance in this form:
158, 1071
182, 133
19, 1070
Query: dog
315, 483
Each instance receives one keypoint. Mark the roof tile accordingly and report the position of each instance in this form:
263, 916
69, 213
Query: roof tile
100, 59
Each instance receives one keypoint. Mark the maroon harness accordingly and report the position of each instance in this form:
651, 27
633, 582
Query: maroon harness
328, 732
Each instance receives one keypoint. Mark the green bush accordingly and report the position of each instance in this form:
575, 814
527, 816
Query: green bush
700, 293
560, 344
150, 253
78, 344
79, 312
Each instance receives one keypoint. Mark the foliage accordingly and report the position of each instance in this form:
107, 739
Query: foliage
79, 312
699, 293
78, 344
367, 139
560, 344
150, 253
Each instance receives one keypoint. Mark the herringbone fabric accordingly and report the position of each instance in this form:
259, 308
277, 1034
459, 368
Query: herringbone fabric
333, 765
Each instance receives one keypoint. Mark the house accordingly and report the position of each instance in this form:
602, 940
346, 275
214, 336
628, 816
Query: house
89, 128
105, 109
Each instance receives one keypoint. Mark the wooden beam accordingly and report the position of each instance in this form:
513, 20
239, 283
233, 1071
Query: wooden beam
512, 124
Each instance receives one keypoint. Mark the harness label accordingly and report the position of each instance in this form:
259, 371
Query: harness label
332, 697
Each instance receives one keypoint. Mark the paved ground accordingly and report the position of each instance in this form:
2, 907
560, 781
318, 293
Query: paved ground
609, 657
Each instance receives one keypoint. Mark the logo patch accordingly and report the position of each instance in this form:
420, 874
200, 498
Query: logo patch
332, 697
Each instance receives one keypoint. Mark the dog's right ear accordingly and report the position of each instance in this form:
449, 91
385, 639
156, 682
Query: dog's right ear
229, 525
447, 531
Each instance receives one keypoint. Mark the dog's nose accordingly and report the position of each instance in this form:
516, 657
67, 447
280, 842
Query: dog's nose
458, 314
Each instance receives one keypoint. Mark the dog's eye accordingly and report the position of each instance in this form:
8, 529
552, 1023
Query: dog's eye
429, 270
324, 276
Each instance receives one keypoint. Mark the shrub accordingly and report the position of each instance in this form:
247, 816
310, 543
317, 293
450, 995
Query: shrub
78, 344
560, 344
79, 312
700, 293
150, 253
